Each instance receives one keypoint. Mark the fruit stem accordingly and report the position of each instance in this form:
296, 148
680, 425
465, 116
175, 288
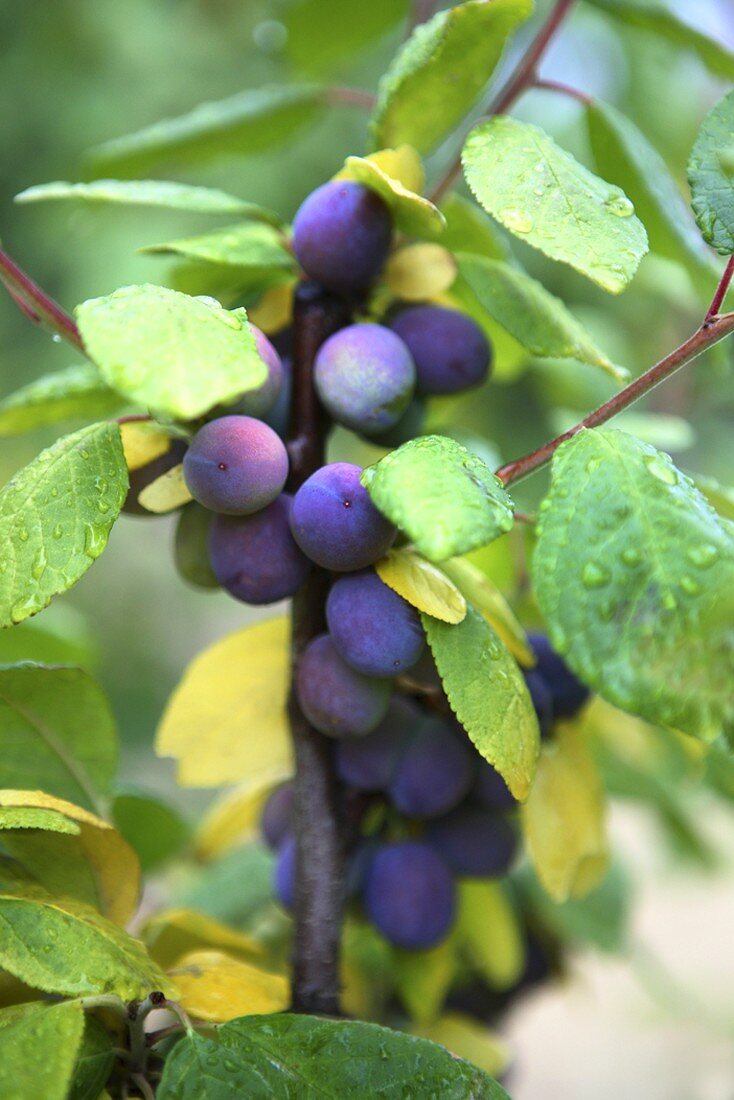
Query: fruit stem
713, 329
319, 831
35, 303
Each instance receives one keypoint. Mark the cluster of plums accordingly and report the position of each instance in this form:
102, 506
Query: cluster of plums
430, 809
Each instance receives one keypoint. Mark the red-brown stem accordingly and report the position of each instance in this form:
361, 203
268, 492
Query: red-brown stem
521, 79
422, 11
720, 293
710, 332
563, 89
319, 832
339, 96
36, 302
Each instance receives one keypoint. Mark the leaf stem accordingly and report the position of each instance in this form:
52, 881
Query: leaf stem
523, 77
563, 89
319, 831
720, 292
35, 303
712, 330
339, 96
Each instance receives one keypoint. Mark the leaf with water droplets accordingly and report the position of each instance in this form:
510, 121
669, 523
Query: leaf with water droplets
441, 495
634, 573
544, 196
55, 518
487, 693
710, 179
305, 1057
38, 1048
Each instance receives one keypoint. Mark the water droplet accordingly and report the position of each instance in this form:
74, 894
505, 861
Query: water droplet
84, 454
39, 564
619, 205
22, 534
100, 484
23, 609
518, 221
689, 585
661, 469
594, 575
95, 540
593, 464
702, 556
56, 338
668, 601
54, 492
631, 556
57, 531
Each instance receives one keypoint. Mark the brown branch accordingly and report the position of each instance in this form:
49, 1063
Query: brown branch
720, 292
35, 303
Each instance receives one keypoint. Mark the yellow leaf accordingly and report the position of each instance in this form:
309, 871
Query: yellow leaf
235, 816
385, 172
214, 986
465, 1038
419, 272
96, 864
563, 819
274, 309
226, 720
488, 933
176, 932
167, 492
143, 441
484, 595
422, 584
423, 978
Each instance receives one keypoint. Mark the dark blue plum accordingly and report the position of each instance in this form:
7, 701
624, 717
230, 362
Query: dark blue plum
284, 874
490, 789
364, 376
235, 465
409, 895
335, 699
368, 763
144, 475
434, 772
542, 700
191, 546
279, 415
261, 401
375, 630
450, 351
568, 694
336, 524
475, 843
276, 820
255, 558
341, 236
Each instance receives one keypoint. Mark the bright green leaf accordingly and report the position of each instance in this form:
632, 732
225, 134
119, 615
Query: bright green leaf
423, 978
74, 393
441, 70
488, 932
487, 693
153, 829
443, 497
57, 733
38, 1046
323, 34
468, 229
301, 1056
634, 574
246, 123
546, 198
246, 245
711, 181
169, 352
720, 497
55, 518
412, 213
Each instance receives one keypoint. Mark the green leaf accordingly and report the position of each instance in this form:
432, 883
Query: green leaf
443, 497
546, 198
55, 518
441, 70
160, 193
468, 229
57, 733
235, 888
488, 933
412, 213
536, 318
166, 351
423, 978
64, 946
600, 918
306, 1058
258, 250
634, 573
246, 123
94, 1062
720, 497
74, 393
665, 24
322, 34
38, 1045
152, 828
624, 156
711, 179
487, 693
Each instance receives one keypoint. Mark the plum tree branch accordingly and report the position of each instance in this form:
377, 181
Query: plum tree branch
319, 856
35, 303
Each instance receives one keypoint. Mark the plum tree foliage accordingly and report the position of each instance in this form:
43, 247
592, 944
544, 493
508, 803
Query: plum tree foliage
428, 756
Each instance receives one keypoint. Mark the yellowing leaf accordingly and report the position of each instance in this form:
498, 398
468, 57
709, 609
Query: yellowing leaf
214, 986
423, 978
142, 442
488, 934
385, 172
367, 972
226, 720
167, 492
235, 816
274, 309
176, 932
422, 584
483, 594
96, 865
420, 272
563, 819
466, 1038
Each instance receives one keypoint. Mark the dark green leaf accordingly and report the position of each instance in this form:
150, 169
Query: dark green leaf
152, 828
600, 918
711, 178
74, 393
94, 1062
468, 229
323, 34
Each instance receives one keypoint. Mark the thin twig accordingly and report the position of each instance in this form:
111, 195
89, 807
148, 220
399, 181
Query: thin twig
563, 89
47, 312
720, 292
339, 96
